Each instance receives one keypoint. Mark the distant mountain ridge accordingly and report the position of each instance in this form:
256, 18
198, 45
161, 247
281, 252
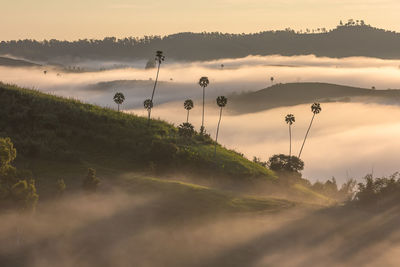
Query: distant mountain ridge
343, 41
291, 94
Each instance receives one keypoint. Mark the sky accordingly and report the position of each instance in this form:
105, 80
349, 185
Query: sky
75, 19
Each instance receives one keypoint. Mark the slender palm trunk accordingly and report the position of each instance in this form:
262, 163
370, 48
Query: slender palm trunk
118, 107
154, 88
305, 138
187, 117
148, 117
290, 140
216, 137
155, 83
202, 117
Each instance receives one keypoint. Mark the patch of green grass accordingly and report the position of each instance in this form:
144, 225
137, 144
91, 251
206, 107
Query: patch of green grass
200, 198
312, 195
67, 133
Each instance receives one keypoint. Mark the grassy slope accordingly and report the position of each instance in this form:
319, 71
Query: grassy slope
60, 138
53, 133
301, 93
190, 198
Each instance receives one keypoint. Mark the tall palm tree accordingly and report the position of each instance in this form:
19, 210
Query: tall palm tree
221, 102
203, 82
148, 104
315, 109
290, 119
188, 104
159, 59
119, 98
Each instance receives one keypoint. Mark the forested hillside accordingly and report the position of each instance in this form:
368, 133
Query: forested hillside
351, 39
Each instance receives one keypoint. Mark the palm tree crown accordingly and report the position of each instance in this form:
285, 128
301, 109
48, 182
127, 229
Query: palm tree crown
188, 104
148, 104
221, 101
119, 98
204, 82
160, 57
316, 108
290, 119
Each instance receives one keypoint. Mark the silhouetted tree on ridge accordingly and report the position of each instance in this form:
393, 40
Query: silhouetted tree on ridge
119, 98
188, 104
203, 82
148, 105
315, 108
221, 102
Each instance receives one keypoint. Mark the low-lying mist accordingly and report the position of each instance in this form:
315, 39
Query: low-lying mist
247, 74
119, 229
347, 140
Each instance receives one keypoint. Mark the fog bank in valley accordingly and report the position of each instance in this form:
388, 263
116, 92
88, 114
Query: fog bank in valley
238, 75
347, 140
120, 229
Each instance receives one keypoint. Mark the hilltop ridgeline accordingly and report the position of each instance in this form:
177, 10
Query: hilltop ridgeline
291, 94
351, 39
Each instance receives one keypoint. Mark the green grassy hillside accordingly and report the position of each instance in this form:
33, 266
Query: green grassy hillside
290, 94
188, 198
55, 135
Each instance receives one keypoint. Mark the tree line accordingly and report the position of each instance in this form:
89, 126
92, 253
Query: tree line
347, 39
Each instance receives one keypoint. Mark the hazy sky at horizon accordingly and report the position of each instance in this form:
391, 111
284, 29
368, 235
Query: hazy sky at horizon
72, 19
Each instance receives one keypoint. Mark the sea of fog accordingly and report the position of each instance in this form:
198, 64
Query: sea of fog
121, 229
124, 229
347, 139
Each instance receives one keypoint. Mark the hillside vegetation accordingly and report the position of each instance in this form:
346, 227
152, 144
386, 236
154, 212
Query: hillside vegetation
343, 41
290, 94
191, 198
52, 133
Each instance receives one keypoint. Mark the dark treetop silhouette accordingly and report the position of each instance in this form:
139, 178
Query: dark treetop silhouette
186, 130
315, 108
188, 104
203, 82
148, 104
119, 98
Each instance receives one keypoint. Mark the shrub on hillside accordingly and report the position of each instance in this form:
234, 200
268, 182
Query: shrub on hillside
186, 130
17, 188
379, 190
91, 183
285, 163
